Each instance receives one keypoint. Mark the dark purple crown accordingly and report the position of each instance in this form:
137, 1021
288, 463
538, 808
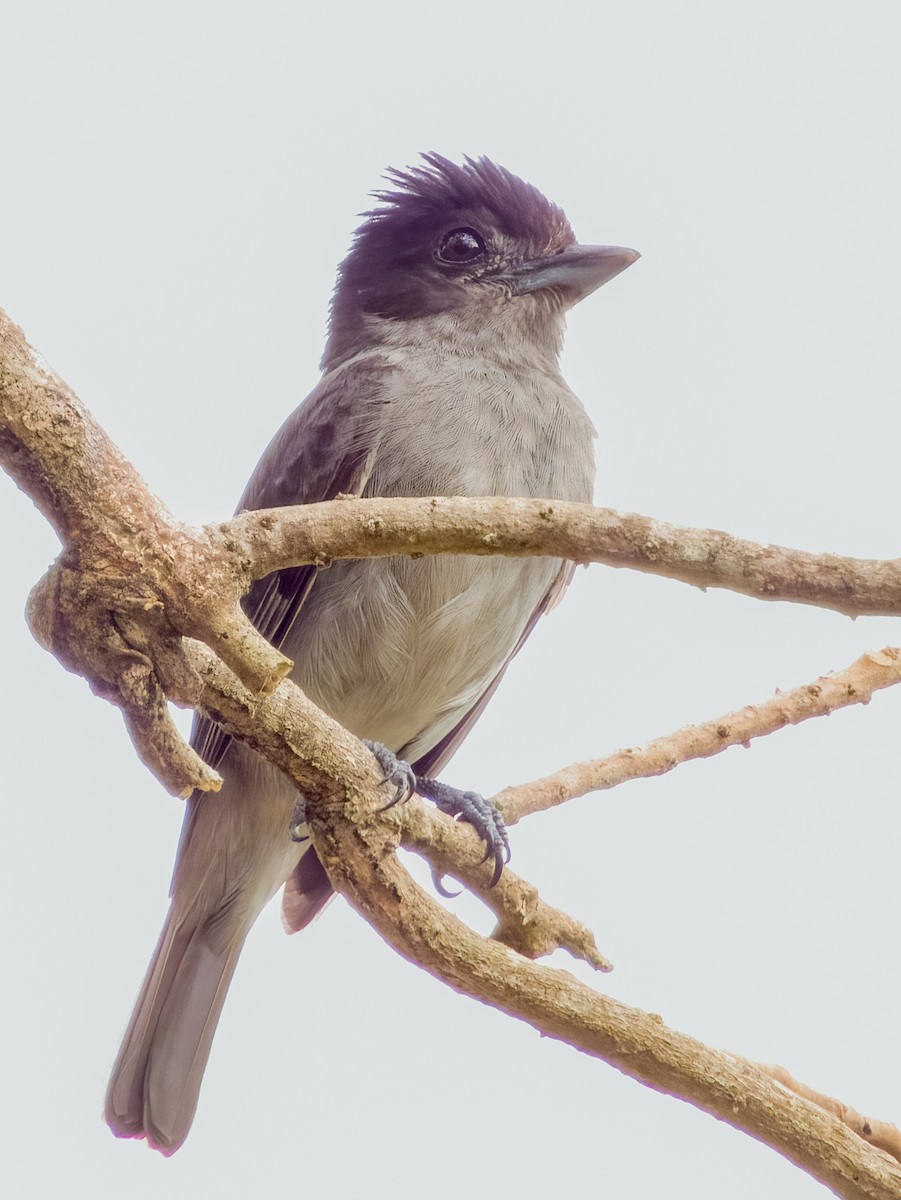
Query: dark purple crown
444, 187
391, 270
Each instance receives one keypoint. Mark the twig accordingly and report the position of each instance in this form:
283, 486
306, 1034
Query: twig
853, 685
881, 1134
363, 867
525, 922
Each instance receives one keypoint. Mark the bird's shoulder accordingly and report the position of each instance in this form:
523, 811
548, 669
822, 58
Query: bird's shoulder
323, 446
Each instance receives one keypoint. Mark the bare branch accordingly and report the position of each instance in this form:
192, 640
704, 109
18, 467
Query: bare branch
318, 533
122, 543
881, 1134
525, 922
854, 685
132, 586
356, 841
109, 521
363, 867
112, 524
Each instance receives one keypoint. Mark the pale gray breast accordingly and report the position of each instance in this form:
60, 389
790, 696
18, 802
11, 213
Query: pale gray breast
399, 650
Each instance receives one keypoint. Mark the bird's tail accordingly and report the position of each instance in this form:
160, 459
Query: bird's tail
156, 1079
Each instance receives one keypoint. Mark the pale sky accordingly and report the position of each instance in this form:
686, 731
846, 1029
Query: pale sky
179, 182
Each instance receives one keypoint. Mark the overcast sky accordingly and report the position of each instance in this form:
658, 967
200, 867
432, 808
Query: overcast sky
178, 184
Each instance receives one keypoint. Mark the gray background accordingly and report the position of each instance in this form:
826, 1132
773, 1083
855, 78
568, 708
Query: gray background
178, 183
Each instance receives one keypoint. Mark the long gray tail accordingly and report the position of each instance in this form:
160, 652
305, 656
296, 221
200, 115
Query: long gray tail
156, 1079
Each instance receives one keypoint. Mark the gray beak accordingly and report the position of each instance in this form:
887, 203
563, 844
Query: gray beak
577, 272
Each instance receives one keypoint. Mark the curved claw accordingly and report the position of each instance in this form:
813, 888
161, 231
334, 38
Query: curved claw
297, 826
482, 814
499, 861
396, 772
501, 858
438, 885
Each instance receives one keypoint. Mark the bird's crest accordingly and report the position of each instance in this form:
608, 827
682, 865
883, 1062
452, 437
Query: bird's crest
391, 269
478, 184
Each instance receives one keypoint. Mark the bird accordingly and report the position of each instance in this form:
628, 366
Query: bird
440, 376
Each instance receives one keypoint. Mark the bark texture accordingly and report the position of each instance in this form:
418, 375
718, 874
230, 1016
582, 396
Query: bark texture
147, 610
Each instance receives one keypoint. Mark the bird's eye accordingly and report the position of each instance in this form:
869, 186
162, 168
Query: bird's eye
461, 246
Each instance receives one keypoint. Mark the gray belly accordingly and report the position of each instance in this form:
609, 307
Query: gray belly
399, 650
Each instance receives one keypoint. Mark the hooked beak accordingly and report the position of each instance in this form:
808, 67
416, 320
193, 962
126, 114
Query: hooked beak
576, 272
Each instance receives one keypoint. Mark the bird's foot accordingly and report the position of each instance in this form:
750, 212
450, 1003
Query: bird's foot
396, 772
484, 816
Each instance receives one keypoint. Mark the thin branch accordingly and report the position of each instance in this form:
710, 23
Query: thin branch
363, 867
132, 586
319, 533
123, 552
111, 524
881, 1134
853, 685
525, 922
356, 841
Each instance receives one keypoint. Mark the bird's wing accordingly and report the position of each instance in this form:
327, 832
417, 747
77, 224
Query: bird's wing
439, 756
326, 447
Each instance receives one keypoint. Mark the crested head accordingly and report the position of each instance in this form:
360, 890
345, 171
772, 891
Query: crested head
469, 242
479, 189
399, 266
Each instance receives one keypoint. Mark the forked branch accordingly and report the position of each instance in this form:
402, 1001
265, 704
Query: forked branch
132, 587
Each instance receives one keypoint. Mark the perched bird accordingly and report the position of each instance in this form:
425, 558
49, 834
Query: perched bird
440, 377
